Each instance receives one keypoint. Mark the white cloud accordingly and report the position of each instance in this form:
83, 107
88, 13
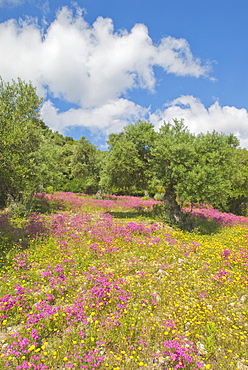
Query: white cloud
198, 118
20, 45
174, 56
110, 117
114, 115
89, 65
94, 67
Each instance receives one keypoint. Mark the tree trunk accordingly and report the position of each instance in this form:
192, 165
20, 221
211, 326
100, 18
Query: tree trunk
3, 196
172, 207
146, 193
99, 194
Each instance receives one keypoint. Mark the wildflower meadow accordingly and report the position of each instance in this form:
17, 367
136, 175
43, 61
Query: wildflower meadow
104, 284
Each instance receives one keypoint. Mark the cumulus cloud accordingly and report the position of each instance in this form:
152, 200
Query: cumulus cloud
109, 117
90, 65
198, 118
94, 67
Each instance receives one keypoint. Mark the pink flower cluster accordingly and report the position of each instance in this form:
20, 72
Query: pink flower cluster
223, 219
110, 203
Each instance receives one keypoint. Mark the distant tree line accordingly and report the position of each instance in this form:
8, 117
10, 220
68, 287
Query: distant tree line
175, 164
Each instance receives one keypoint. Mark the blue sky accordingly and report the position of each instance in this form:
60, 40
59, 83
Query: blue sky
101, 64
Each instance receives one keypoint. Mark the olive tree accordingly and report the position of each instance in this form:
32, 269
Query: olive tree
193, 168
20, 132
127, 165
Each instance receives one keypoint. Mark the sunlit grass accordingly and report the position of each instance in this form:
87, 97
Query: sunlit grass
87, 291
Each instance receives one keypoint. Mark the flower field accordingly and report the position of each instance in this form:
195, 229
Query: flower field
81, 289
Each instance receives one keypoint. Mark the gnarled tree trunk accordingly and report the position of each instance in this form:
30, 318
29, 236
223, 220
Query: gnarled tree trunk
172, 207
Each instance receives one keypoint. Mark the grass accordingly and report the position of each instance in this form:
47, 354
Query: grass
82, 289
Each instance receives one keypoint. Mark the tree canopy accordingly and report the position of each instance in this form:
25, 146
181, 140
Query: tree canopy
189, 168
20, 132
128, 164
194, 168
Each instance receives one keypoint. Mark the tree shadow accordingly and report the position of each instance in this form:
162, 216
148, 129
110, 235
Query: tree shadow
188, 221
199, 225
132, 214
47, 203
17, 234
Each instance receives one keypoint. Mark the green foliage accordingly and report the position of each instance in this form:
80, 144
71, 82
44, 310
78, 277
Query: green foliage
67, 164
53, 158
193, 168
20, 133
237, 202
174, 164
159, 196
49, 190
210, 344
127, 165
145, 197
85, 167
